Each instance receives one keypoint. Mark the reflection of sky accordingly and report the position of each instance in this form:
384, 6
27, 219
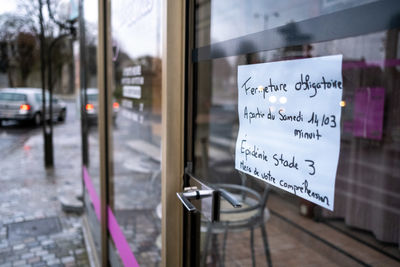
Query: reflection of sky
134, 29
231, 19
135, 21
7, 6
136, 26
236, 18
91, 10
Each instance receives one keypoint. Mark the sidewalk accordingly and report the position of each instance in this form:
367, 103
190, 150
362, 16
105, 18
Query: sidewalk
34, 230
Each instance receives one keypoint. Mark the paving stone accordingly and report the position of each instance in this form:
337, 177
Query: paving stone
32, 244
19, 263
48, 257
62, 254
67, 259
47, 242
18, 247
39, 264
6, 255
50, 247
53, 261
19, 219
42, 237
29, 240
34, 260
12, 258
79, 251
35, 249
27, 256
41, 252
5, 249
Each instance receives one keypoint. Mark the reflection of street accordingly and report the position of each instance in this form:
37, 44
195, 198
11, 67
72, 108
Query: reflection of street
30, 196
136, 182
13, 134
137, 188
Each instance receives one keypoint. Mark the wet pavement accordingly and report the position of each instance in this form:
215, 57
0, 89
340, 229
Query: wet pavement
136, 188
34, 229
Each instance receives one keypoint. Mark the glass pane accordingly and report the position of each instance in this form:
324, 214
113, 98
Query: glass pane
12, 97
92, 177
135, 195
364, 226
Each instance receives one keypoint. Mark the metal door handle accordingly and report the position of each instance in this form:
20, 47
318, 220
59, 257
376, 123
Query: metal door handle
195, 194
186, 203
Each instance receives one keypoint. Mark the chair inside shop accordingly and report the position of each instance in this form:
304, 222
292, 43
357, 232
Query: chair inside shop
251, 215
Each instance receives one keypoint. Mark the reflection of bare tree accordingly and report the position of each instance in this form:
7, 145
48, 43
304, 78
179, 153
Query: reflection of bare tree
26, 54
19, 46
12, 24
91, 54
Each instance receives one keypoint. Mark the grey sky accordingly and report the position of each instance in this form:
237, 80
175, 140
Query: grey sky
134, 24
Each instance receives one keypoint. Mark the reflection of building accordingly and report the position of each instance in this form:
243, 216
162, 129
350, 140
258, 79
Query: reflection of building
17, 56
20, 63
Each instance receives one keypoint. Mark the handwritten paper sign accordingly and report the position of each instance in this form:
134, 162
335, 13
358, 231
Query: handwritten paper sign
289, 134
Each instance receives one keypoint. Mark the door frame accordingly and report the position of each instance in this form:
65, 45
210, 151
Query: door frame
173, 120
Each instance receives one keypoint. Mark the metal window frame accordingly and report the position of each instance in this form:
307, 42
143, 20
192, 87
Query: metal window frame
172, 136
359, 20
104, 65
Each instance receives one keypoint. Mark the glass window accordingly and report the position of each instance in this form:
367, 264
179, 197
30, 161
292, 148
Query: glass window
364, 226
12, 97
135, 195
88, 83
92, 97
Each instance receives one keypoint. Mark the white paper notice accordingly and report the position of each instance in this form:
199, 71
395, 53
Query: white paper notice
289, 134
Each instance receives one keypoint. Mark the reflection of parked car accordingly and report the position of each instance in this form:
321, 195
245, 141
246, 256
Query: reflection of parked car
25, 104
92, 105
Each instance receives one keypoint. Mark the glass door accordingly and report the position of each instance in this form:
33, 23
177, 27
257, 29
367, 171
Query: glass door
272, 221
134, 188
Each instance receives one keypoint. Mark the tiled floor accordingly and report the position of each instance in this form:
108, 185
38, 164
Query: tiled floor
297, 241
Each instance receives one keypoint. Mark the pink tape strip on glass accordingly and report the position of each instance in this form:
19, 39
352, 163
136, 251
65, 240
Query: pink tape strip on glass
120, 242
